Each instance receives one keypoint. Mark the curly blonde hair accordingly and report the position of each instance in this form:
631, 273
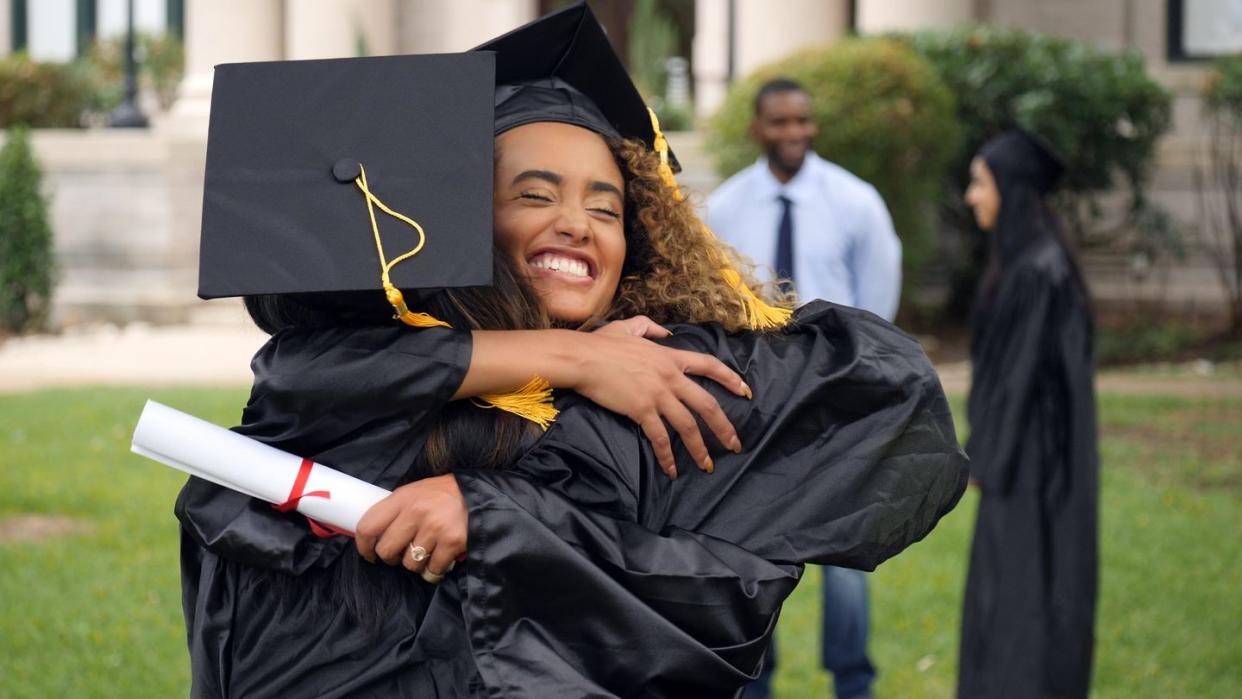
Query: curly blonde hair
672, 270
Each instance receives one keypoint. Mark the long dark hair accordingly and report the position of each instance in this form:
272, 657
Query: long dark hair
464, 434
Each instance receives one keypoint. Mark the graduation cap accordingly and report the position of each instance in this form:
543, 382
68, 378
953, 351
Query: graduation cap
1026, 155
349, 175
561, 67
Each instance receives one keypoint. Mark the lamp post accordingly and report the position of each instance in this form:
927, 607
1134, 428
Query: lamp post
127, 114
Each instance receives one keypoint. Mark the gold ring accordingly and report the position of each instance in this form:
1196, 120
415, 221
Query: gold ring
433, 578
417, 553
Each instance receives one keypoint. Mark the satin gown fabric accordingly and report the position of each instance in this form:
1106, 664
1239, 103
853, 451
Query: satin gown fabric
589, 573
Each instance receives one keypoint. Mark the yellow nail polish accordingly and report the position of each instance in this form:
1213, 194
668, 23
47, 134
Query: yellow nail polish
749, 395
708, 465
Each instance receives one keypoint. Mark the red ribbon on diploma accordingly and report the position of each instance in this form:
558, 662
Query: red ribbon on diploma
295, 496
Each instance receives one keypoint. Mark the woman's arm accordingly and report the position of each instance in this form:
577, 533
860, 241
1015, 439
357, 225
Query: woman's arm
623, 372
333, 380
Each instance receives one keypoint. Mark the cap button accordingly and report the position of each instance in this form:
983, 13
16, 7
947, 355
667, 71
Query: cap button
346, 170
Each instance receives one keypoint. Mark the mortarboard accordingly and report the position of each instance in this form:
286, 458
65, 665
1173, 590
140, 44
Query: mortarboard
561, 67
1027, 155
317, 170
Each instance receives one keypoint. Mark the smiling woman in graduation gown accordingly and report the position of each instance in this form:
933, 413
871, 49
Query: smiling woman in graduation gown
1027, 628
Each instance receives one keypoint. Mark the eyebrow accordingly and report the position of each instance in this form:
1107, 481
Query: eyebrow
597, 186
556, 179
546, 175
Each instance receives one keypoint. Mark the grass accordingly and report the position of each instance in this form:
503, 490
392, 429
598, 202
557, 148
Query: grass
96, 612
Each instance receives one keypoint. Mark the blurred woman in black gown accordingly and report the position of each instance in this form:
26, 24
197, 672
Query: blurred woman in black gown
1028, 619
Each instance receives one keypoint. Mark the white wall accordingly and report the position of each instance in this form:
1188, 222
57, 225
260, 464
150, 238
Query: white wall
150, 16
50, 30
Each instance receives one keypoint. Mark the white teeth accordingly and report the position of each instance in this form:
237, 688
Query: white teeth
567, 265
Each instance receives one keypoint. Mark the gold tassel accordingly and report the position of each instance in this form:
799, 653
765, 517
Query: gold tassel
395, 298
532, 402
405, 315
760, 315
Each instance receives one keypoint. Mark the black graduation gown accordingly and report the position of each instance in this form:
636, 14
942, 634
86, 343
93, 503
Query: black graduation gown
1028, 619
589, 573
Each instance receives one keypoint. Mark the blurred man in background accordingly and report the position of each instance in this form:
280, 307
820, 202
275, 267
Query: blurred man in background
828, 235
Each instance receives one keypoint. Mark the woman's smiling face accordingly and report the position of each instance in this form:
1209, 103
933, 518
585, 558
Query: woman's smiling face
559, 205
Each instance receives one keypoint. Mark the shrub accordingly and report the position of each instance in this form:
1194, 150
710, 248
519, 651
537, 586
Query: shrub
1146, 341
44, 95
26, 263
1099, 110
882, 113
161, 64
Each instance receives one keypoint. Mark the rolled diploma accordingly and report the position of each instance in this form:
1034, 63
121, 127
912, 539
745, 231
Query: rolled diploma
237, 462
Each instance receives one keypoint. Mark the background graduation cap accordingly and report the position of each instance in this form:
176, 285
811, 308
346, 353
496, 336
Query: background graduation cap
570, 45
285, 203
1028, 154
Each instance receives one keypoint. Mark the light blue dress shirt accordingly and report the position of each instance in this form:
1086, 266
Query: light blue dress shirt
845, 248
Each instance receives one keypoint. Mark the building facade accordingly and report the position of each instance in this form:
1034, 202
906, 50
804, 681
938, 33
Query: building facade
126, 204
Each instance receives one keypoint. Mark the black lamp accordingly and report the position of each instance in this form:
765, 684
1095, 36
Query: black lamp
127, 114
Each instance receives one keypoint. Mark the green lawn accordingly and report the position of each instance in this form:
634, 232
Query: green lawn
95, 612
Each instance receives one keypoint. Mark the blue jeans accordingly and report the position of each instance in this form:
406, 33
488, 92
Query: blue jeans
843, 648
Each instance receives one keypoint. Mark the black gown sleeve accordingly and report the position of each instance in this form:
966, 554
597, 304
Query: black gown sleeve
584, 551
357, 399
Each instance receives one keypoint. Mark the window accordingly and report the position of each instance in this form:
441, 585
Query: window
1203, 29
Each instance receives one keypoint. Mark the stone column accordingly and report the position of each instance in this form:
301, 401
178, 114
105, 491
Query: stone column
711, 55
380, 26
223, 31
339, 28
216, 31
763, 32
320, 29
438, 26
879, 16
6, 27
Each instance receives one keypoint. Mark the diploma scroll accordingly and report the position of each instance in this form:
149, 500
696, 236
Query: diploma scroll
237, 462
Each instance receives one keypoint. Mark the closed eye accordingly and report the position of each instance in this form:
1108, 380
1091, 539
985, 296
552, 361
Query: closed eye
535, 196
607, 212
